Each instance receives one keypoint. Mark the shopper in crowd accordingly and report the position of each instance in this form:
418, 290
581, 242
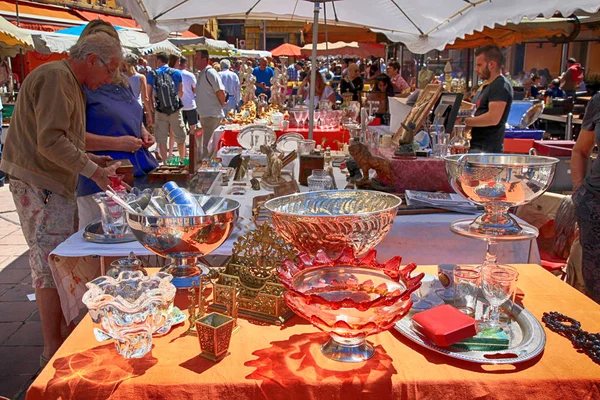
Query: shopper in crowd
571, 79
189, 111
554, 89
293, 71
210, 98
322, 90
114, 128
231, 83
237, 66
493, 105
138, 85
383, 83
44, 154
353, 83
216, 66
393, 71
167, 85
263, 74
530, 89
586, 196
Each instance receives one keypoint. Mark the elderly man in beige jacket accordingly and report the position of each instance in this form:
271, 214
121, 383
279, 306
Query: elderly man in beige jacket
43, 155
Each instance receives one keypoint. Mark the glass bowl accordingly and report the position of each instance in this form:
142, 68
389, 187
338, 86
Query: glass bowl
130, 309
334, 219
348, 297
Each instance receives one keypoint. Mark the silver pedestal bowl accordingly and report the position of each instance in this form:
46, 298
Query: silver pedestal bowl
183, 239
331, 220
498, 182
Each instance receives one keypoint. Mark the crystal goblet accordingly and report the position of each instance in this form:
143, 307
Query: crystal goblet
498, 283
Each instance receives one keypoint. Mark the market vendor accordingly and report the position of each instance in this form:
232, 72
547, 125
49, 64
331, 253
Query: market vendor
113, 128
353, 83
45, 153
263, 74
493, 106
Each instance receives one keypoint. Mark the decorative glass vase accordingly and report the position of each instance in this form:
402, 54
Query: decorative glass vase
459, 144
113, 216
130, 309
319, 180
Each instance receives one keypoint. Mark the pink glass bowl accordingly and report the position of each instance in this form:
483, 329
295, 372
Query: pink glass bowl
348, 297
331, 220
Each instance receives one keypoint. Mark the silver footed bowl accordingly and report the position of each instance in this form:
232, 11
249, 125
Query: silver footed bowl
499, 182
184, 239
331, 220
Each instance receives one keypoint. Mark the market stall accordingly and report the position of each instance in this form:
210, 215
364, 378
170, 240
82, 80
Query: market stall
283, 362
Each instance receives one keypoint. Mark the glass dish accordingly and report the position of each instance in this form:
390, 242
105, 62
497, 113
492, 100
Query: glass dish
130, 309
334, 219
348, 297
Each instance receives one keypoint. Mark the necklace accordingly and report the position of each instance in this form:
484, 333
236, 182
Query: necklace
570, 328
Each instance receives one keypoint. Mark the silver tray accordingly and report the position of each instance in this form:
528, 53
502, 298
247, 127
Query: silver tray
253, 136
528, 339
93, 233
289, 142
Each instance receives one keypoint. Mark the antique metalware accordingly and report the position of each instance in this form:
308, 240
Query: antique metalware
331, 220
183, 239
348, 297
214, 334
93, 233
130, 309
251, 271
499, 182
528, 339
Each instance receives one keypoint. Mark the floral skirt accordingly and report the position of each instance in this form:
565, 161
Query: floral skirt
587, 207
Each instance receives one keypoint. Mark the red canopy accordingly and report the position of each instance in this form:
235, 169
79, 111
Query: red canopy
286, 49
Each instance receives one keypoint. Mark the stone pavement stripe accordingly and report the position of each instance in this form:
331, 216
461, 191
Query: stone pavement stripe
13, 275
13, 249
28, 361
28, 334
18, 292
7, 329
16, 311
15, 262
14, 387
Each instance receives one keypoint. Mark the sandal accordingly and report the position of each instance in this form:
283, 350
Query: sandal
43, 361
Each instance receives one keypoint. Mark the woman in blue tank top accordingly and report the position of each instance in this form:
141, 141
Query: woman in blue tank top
113, 128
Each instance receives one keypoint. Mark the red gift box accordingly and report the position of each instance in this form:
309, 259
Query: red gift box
444, 325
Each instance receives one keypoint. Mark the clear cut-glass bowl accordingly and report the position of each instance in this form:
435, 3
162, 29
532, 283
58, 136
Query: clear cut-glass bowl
348, 297
130, 309
334, 219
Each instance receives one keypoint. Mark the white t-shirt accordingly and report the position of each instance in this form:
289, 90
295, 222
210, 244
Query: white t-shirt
326, 93
189, 86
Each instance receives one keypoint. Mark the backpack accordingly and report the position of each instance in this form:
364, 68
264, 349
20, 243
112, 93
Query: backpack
165, 93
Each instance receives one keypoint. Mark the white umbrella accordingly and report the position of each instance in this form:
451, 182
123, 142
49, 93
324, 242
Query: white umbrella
421, 25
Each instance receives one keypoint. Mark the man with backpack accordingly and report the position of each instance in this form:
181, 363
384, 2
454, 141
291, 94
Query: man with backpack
168, 91
210, 99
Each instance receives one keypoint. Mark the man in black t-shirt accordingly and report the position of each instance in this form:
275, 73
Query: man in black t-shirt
493, 105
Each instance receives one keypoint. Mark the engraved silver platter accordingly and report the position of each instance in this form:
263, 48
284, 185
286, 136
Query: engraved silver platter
93, 233
254, 136
528, 339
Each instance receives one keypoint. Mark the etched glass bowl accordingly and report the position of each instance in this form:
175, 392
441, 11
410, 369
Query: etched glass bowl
499, 182
130, 309
348, 297
334, 219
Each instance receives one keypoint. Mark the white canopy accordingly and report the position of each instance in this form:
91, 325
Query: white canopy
49, 42
13, 39
214, 47
421, 25
239, 53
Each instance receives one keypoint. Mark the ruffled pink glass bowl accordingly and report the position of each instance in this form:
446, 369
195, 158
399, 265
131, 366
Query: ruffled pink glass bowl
348, 297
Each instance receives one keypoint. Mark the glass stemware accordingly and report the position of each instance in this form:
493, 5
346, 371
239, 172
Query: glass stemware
498, 283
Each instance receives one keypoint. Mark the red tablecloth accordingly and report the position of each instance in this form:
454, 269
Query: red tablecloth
229, 137
428, 174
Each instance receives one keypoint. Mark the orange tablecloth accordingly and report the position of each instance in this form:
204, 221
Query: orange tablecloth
286, 363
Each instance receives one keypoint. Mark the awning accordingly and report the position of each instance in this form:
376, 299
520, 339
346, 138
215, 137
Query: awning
46, 15
139, 42
114, 20
239, 53
352, 49
214, 47
341, 34
13, 39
